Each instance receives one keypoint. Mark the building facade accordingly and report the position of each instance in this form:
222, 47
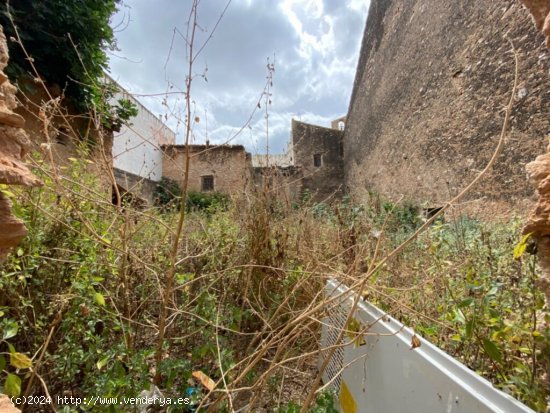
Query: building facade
137, 153
219, 168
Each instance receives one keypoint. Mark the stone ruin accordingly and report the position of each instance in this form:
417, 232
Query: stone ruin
538, 223
14, 145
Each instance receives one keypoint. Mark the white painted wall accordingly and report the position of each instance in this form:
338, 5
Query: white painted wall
136, 149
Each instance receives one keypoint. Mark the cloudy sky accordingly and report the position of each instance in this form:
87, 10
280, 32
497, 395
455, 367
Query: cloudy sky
313, 45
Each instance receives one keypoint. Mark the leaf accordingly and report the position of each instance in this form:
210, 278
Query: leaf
354, 328
102, 362
20, 361
466, 303
492, 350
9, 194
99, 299
459, 316
492, 291
521, 246
2, 363
11, 331
469, 328
12, 386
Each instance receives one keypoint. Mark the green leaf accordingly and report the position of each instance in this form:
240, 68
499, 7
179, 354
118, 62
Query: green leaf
20, 361
102, 362
4, 190
466, 302
492, 350
469, 328
11, 331
492, 291
521, 246
99, 299
2, 363
459, 316
12, 386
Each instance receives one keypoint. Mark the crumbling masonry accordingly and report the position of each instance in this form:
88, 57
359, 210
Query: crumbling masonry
14, 145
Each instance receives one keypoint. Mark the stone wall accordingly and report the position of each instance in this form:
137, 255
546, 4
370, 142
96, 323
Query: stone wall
428, 101
61, 132
538, 224
322, 177
14, 145
138, 186
229, 166
283, 183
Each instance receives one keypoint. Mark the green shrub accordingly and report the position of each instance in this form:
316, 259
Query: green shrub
207, 201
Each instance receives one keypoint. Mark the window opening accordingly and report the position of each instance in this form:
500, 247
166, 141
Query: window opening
317, 161
208, 183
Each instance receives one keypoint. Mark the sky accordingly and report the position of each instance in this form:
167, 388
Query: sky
313, 46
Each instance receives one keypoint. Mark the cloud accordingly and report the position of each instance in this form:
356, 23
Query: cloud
313, 43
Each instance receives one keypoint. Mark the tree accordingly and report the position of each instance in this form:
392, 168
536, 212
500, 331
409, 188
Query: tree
67, 41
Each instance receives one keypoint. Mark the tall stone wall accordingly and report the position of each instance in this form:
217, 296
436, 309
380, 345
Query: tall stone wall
428, 101
321, 176
230, 166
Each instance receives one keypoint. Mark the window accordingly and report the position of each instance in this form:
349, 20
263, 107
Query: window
208, 183
317, 160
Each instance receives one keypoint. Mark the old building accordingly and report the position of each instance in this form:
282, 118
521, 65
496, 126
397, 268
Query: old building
137, 154
221, 168
319, 154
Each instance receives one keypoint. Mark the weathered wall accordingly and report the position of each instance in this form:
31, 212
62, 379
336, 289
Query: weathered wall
325, 182
538, 223
427, 105
230, 166
283, 183
136, 148
141, 187
14, 145
61, 132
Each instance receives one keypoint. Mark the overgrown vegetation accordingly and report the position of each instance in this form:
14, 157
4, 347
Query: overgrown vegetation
168, 196
222, 301
66, 41
82, 295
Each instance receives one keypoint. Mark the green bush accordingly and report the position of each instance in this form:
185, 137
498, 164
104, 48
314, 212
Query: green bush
207, 201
